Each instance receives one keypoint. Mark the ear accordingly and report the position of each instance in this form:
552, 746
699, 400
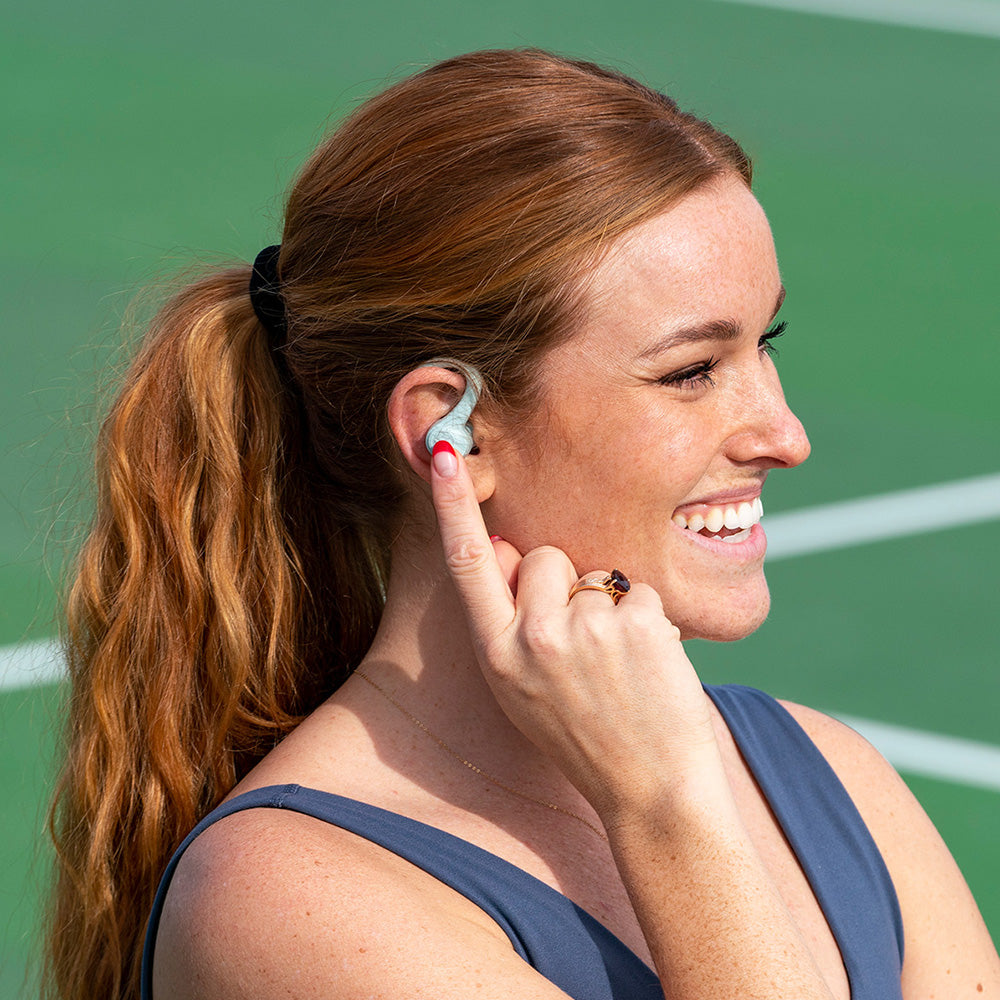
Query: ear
420, 399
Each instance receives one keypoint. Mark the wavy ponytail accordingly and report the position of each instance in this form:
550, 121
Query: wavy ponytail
236, 568
196, 634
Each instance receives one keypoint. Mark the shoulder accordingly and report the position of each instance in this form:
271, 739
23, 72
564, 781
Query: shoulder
880, 794
269, 902
944, 932
856, 762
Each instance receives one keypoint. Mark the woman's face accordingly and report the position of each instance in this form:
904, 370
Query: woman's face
665, 408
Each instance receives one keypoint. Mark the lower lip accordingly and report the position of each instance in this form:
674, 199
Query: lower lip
753, 547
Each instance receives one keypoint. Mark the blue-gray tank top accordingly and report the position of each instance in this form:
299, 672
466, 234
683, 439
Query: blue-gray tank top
570, 947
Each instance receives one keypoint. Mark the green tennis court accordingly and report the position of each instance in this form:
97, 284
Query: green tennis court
142, 139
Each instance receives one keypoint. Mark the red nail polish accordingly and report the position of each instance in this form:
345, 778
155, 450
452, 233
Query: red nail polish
445, 460
496, 538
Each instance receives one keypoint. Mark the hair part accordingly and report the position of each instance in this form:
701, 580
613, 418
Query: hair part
236, 567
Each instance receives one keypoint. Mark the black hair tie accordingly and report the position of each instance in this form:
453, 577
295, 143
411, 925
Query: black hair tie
265, 295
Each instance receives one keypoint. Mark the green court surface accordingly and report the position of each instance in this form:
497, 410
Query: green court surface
140, 140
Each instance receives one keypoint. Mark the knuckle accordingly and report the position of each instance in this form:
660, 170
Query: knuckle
545, 553
598, 623
467, 556
645, 628
541, 637
597, 626
648, 594
649, 626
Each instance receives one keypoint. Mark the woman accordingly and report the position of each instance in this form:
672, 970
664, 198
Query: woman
457, 764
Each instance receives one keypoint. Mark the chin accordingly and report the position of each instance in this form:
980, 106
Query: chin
729, 621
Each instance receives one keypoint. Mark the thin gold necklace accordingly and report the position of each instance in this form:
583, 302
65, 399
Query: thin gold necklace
472, 767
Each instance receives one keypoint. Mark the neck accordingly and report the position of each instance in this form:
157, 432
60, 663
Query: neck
424, 658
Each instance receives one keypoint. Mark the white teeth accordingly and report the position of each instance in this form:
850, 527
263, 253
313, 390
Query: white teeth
738, 537
715, 519
736, 518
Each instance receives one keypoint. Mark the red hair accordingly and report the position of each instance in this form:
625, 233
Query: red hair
235, 570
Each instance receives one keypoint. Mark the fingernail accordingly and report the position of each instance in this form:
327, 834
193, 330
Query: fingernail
496, 538
445, 460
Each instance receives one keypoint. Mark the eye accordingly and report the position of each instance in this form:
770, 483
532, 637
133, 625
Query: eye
693, 376
766, 342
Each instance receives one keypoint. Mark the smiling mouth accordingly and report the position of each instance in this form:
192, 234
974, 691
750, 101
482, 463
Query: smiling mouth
731, 523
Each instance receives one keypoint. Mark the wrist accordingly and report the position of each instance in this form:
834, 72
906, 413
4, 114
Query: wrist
694, 801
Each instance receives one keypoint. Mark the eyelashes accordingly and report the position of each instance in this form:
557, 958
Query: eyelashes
697, 375
766, 343
693, 376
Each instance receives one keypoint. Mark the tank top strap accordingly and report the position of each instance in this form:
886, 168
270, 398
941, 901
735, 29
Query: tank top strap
574, 950
828, 836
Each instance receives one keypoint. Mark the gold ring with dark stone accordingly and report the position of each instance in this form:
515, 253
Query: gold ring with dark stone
615, 584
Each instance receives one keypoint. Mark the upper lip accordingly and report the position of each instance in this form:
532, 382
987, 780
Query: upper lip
738, 494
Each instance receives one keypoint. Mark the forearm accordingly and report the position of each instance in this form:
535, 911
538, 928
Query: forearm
712, 917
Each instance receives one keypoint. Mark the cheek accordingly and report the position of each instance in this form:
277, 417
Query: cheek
603, 483
625, 469
678, 453
661, 463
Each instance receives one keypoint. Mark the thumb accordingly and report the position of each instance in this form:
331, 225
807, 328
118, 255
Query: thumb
509, 559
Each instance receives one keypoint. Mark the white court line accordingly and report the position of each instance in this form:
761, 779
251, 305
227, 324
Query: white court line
932, 755
967, 17
30, 663
890, 515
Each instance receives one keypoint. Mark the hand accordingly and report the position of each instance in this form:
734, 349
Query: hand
607, 691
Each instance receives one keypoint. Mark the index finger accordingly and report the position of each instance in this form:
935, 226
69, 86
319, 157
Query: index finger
468, 551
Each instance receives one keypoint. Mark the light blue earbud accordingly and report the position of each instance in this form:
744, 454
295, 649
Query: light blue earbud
454, 426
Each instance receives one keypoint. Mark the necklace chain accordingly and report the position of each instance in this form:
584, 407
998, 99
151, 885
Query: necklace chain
473, 767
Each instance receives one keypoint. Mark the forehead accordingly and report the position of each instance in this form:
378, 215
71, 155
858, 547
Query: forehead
711, 256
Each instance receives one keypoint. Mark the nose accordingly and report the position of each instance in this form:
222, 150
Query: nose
769, 433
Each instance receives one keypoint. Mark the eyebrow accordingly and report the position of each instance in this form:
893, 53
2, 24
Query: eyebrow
715, 329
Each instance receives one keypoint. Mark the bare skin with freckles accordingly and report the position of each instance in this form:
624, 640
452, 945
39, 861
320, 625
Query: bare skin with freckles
666, 401
631, 449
